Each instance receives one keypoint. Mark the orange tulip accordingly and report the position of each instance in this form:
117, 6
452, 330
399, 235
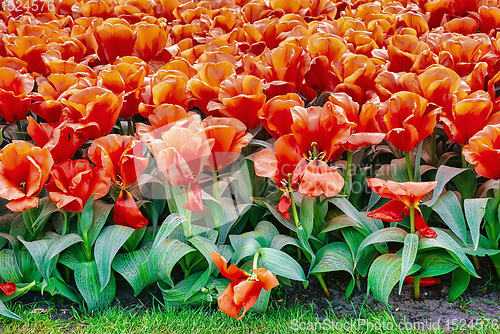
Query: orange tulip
8, 288
94, 104
229, 136
28, 49
403, 197
408, 119
468, 116
366, 130
61, 140
182, 154
73, 182
490, 18
331, 46
128, 79
242, 98
168, 88
462, 25
122, 160
245, 288
388, 83
150, 41
276, 116
483, 151
113, 38
316, 178
24, 169
206, 85
15, 94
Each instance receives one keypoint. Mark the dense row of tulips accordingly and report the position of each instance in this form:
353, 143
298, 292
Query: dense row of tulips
213, 116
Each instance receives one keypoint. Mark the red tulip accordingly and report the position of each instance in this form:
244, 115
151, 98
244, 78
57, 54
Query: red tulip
276, 116
403, 197
424, 281
245, 288
409, 119
8, 288
15, 94
111, 39
24, 169
73, 182
483, 151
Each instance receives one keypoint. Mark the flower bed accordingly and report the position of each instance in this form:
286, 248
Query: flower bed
219, 149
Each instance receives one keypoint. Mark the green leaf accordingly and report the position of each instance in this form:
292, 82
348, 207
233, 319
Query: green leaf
435, 263
459, 283
38, 249
86, 216
399, 171
280, 263
282, 240
205, 247
231, 213
417, 177
443, 240
56, 286
136, 269
245, 249
274, 211
443, 176
449, 209
55, 249
15, 248
369, 224
168, 226
166, 255
106, 246
384, 273
5, 223
410, 249
9, 271
176, 297
475, 209
466, 182
306, 215
100, 214
340, 222
334, 257
264, 233
6, 313
87, 282
388, 234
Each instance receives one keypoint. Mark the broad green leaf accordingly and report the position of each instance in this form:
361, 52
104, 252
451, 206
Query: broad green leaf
166, 255
177, 296
87, 282
137, 269
245, 249
10, 272
388, 234
274, 211
443, 176
474, 212
5, 223
106, 246
408, 257
384, 273
466, 183
21, 289
334, 257
306, 215
6, 313
100, 214
435, 263
55, 249
42, 213
369, 224
280, 263
58, 287
38, 249
168, 226
449, 209
15, 248
282, 240
459, 283
231, 213
340, 222
443, 240
86, 216
205, 247
264, 233
399, 171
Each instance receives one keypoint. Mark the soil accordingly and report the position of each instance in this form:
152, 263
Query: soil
480, 301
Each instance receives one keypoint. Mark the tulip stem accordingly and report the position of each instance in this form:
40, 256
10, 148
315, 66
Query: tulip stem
323, 285
433, 148
19, 127
412, 219
87, 250
408, 166
416, 287
214, 186
294, 210
464, 162
347, 178
187, 224
256, 260
130, 127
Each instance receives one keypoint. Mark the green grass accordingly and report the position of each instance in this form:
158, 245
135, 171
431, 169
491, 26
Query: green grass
203, 320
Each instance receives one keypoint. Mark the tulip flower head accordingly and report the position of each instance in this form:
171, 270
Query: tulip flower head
404, 196
245, 288
483, 151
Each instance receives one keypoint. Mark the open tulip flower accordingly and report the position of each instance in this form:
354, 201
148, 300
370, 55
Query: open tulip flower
405, 198
24, 169
276, 116
73, 182
408, 119
122, 160
182, 153
245, 288
15, 94
483, 151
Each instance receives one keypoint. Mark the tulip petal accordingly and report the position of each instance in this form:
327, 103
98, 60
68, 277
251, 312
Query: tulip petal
226, 301
126, 212
194, 202
233, 272
266, 278
389, 212
284, 205
8, 288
